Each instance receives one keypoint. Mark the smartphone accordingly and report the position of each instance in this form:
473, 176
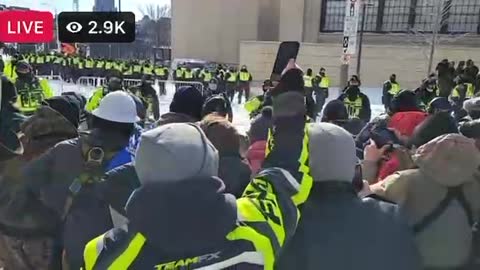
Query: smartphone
287, 50
383, 136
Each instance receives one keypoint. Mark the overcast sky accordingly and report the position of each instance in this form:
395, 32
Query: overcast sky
85, 5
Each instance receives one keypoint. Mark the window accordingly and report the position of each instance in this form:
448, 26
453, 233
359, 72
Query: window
450, 16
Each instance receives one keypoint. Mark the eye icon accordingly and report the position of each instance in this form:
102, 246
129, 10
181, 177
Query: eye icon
74, 27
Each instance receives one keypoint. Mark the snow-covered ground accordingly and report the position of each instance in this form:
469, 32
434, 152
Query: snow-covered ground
240, 116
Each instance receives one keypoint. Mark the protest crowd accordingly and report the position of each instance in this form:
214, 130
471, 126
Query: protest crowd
86, 183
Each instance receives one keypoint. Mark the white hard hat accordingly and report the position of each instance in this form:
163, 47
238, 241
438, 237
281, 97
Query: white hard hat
117, 107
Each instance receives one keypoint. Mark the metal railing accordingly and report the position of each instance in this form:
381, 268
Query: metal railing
177, 84
94, 82
401, 16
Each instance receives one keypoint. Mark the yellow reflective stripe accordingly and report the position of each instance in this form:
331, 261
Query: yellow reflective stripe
92, 252
307, 180
128, 256
261, 243
260, 205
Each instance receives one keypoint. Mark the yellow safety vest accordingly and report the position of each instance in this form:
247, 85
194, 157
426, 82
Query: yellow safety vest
100, 64
137, 68
40, 60
179, 73
469, 94
233, 77
395, 89
308, 81
244, 76
325, 82
353, 107
253, 104
188, 75
148, 70
128, 71
29, 100
207, 76
88, 64
160, 71
80, 64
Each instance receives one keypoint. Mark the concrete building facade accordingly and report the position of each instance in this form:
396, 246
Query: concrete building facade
248, 32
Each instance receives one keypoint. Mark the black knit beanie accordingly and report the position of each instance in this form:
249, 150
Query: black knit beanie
188, 100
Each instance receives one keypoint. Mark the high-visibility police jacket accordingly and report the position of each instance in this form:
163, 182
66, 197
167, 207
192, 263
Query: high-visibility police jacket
188, 75
89, 63
253, 104
147, 69
470, 91
95, 99
245, 76
207, 76
58, 60
108, 65
353, 107
394, 88
324, 82
160, 71
128, 71
100, 64
266, 218
178, 73
232, 78
308, 81
10, 71
81, 64
40, 59
117, 66
137, 68
30, 96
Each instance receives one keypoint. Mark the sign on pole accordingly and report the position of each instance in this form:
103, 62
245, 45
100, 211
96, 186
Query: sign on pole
350, 30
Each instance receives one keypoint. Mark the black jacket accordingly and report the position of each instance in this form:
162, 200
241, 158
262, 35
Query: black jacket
235, 172
365, 112
49, 179
192, 223
339, 231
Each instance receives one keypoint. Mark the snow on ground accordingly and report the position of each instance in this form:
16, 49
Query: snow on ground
240, 116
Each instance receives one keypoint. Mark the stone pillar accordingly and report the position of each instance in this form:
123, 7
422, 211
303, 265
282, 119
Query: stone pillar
268, 20
291, 20
311, 20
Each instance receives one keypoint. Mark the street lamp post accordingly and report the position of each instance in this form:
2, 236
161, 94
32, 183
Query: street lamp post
360, 45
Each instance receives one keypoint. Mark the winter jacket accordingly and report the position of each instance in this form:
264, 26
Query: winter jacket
446, 162
23, 219
10, 119
235, 173
172, 117
364, 111
50, 177
256, 155
117, 186
339, 231
205, 227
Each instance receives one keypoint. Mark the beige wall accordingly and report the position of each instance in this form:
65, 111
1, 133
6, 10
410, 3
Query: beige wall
212, 29
379, 61
291, 20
